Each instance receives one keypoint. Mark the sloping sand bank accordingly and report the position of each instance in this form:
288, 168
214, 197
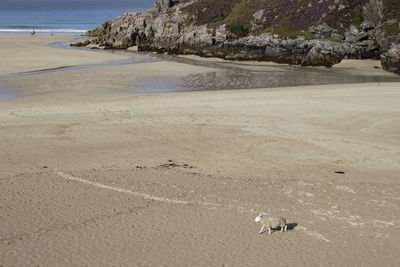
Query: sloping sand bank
92, 175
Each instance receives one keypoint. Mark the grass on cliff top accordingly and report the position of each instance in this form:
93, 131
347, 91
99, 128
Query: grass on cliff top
286, 17
289, 31
210, 11
95, 32
391, 9
391, 29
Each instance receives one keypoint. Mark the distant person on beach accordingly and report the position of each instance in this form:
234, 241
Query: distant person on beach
33, 32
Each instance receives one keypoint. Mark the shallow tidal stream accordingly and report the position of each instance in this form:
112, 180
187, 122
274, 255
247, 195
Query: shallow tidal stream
223, 75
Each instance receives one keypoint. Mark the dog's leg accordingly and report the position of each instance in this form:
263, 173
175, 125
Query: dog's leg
262, 228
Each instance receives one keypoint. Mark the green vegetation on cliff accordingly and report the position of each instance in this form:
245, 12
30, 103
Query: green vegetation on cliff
286, 17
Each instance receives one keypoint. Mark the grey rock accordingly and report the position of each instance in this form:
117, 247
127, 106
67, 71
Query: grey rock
320, 29
354, 30
259, 14
337, 36
156, 8
367, 25
391, 59
360, 37
349, 37
165, 4
272, 52
322, 53
373, 11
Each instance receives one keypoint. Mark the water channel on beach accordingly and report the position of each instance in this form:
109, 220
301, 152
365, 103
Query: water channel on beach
223, 75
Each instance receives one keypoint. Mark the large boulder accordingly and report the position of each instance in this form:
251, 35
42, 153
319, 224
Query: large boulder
322, 53
391, 59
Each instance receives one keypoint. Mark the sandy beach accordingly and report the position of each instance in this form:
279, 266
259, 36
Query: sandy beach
93, 175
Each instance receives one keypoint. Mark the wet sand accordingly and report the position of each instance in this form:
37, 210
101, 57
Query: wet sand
93, 175
250, 74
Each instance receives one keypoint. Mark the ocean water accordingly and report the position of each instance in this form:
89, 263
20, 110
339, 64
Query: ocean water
55, 21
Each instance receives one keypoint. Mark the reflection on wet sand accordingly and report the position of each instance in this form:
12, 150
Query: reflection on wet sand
6, 94
231, 75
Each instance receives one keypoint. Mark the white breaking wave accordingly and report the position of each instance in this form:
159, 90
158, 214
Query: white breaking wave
42, 30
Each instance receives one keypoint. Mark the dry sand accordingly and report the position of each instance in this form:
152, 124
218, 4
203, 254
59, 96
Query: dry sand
92, 175
30, 53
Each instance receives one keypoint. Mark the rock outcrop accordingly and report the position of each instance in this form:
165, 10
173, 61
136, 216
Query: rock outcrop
391, 59
175, 26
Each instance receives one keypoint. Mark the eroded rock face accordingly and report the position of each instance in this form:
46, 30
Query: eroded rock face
322, 54
167, 28
391, 59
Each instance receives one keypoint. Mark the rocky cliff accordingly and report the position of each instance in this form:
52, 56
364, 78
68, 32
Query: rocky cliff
309, 33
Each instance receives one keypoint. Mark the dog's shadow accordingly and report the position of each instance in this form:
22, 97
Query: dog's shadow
291, 226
